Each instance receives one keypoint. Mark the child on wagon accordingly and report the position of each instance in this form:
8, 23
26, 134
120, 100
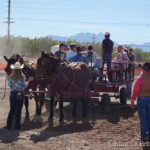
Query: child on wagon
116, 67
116, 61
17, 83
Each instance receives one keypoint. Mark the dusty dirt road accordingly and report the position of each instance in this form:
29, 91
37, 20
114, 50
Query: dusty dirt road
117, 130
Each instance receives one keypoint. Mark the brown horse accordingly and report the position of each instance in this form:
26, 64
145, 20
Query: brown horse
66, 81
28, 71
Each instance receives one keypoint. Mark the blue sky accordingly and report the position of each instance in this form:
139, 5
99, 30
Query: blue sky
127, 20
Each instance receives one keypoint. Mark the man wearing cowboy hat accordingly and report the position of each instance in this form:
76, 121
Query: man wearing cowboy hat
142, 92
17, 83
72, 52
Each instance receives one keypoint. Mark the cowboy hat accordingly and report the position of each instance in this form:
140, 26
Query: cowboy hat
145, 66
17, 65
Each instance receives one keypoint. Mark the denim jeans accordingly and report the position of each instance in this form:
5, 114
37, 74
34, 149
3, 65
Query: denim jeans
107, 59
16, 103
143, 106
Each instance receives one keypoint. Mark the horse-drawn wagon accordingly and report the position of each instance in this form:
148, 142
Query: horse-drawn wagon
68, 84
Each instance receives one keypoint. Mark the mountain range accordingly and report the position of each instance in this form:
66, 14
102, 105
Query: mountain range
90, 37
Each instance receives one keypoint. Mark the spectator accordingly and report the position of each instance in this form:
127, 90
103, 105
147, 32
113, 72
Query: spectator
66, 48
91, 55
142, 92
115, 67
116, 61
72, 52
79, 57
107, 48
130, 55
125, 59
61, 53
83, 48
122, 52
17, 83
130, 72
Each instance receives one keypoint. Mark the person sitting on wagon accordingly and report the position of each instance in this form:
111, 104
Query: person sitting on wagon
120, 50
91, 56
66, 48
72, 52
141, 91
95, 64
61, 53
116, 61
125, 59
79, 57
17, 83
83, 48
116, 66
95, 70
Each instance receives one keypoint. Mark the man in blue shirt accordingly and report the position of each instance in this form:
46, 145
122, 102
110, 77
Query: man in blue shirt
107, 48
79, 57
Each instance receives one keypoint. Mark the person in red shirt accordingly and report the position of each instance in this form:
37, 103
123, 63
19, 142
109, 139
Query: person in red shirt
141, 91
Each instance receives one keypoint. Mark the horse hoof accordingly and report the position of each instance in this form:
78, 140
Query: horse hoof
61, 122
85, 121
74, 119
27, 120
37, 117
50, 120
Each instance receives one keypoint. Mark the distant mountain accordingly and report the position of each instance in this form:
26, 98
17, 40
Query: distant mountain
80, 37
89, 37
144, 46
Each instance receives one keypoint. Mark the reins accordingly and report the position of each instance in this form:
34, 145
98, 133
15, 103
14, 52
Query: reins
71, 82
5, 87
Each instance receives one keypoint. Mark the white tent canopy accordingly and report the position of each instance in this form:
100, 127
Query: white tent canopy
54, 49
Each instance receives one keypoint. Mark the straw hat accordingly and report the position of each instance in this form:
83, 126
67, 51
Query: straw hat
17, 65
145, 66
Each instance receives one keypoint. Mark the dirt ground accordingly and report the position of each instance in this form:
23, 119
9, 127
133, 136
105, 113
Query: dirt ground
114, 131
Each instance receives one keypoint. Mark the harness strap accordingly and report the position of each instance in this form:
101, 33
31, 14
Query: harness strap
71, 82
5, 87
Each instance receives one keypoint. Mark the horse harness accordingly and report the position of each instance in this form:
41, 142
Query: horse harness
59, 73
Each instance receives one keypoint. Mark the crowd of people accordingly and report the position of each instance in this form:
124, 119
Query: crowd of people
113, 60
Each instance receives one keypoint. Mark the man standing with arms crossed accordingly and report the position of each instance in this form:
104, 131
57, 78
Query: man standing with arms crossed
107, 48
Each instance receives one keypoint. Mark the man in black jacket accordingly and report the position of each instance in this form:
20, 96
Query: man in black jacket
107, 48
61, 53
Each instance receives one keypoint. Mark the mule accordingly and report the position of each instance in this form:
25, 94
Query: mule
28, 71
66, 81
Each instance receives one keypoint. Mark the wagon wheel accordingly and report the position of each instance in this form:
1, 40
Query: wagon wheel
105, 103
123, 96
